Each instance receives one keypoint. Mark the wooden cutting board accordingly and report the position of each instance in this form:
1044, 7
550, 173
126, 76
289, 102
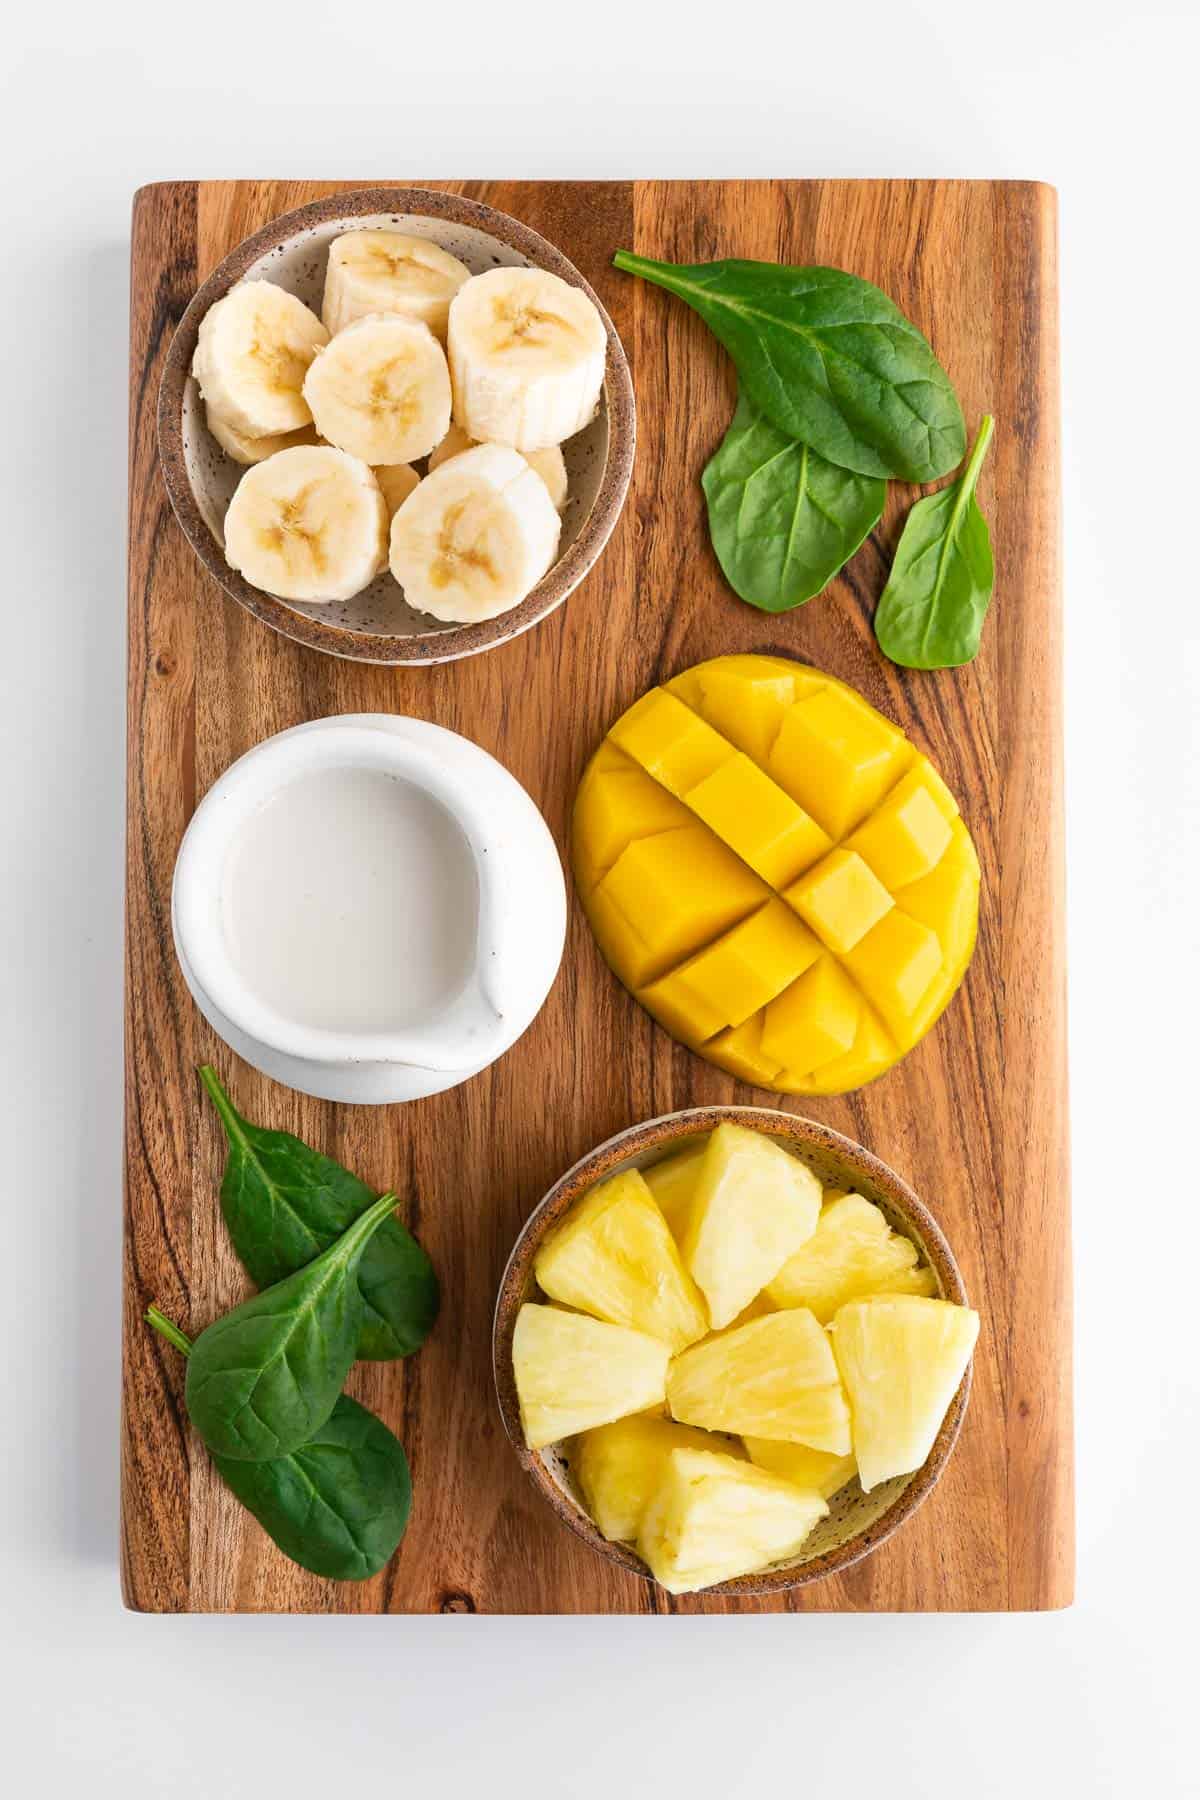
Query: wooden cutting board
974, 1118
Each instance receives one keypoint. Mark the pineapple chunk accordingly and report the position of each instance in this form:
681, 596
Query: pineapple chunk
614, 1257
758, 1308
713, 1518
619, 1466
852, 1253
901, 1358
573, 1372
815, 1470
774, 1378
673, 1184
754, 1206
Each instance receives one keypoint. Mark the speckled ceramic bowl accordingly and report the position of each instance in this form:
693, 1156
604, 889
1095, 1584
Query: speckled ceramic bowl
377, 625
857, 1523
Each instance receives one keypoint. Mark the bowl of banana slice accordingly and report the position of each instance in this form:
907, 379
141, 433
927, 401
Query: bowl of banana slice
397, 426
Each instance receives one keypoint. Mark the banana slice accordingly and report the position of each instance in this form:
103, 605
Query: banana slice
381, 390
453, 444
475, 537
307, 524
548, 464
386, 272
526, 358
252, 354
248, 450
396, 483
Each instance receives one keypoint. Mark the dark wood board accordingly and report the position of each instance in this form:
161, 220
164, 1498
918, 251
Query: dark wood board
974, 1118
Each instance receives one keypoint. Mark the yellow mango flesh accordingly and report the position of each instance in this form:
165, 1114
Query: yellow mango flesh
779, 876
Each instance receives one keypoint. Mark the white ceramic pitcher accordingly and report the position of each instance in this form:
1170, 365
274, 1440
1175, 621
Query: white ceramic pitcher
521, 913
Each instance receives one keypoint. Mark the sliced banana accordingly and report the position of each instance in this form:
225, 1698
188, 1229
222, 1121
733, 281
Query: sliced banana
381, 390
252, 354
453, 444
548, 464
526, 358
248, 450
475, 537
386, 272
396, 483
307, 524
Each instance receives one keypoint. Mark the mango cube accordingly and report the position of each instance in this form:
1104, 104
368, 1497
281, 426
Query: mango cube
753, 1207
726, 982
713, 1518
852, 1252
814, 1020
773, 1378
670, 741
614, 805
841, 899
573, 1372
745, 698
678, 890
872, 1050
618, 1467
837, 757
815, 1470
614, 1257
907, 836
901, 1358
896, 964
752, 788
754, 816
947, 900
740, 1051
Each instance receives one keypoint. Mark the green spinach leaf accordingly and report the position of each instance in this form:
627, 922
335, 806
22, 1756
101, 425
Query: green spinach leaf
264, 1378
829, 359
284, 1203
338, 1504
782, 519
931, 613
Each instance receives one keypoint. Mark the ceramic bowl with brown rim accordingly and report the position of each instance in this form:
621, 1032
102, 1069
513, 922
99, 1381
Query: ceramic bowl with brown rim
857, 1523
378, 625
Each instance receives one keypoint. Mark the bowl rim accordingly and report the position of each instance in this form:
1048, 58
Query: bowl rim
379, 647
661, 1132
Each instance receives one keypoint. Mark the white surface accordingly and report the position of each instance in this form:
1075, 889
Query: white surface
1096, 98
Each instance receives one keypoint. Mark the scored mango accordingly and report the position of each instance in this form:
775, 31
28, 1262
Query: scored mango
777, 873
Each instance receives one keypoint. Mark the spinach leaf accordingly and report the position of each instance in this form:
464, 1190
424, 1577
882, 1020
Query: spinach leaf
782, 519
931, 613
265, 1377
338, 1504
284, 1203
829, 359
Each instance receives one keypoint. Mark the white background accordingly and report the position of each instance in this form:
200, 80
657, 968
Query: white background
1096, 98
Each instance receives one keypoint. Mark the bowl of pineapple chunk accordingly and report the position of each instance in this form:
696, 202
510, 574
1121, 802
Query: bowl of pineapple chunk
733, 1350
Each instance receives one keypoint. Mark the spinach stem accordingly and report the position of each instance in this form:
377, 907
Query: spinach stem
165, 1328
970, 474
220, 1099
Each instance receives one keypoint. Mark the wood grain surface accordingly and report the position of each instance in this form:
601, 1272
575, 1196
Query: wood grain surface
974, 1118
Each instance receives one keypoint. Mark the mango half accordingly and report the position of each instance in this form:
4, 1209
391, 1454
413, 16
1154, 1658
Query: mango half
776, 873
